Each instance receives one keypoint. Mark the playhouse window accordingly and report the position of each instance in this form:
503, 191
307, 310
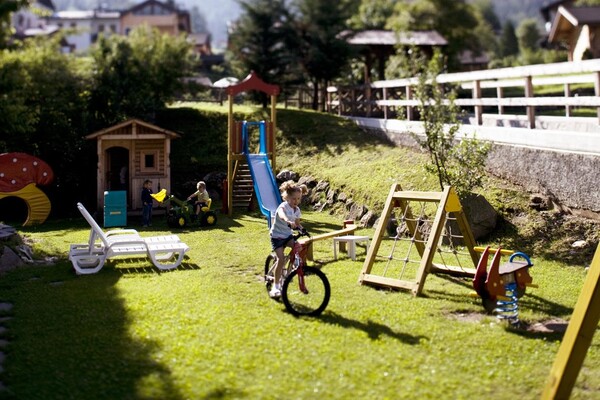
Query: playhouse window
149, 161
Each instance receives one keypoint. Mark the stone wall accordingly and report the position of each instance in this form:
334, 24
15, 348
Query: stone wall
572, 177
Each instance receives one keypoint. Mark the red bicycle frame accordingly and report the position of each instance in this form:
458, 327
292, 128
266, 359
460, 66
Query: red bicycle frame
299, 251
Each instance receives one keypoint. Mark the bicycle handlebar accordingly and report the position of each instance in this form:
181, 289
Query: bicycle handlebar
301, 232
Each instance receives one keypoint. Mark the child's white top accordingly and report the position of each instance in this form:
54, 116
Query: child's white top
280, 229
202, 195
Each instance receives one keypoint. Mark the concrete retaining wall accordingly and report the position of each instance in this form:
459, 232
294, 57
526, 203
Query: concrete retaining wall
563, 162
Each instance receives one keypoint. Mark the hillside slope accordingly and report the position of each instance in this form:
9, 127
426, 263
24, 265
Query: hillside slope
364, 167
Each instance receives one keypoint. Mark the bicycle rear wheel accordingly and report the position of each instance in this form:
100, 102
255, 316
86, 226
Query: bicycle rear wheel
316, 298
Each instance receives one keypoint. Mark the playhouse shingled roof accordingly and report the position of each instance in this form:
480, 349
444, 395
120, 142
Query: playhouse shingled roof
132, 121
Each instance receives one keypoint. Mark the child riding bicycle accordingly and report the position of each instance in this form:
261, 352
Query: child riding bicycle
287, 217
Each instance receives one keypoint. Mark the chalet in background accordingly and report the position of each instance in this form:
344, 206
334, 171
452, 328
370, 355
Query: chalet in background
85, 26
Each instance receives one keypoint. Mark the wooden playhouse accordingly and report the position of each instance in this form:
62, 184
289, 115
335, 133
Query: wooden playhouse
128, 154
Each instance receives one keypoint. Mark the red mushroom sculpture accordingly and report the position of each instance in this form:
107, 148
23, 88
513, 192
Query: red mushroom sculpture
20, 173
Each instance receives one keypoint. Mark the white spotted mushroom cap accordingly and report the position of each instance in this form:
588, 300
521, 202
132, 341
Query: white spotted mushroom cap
18, 170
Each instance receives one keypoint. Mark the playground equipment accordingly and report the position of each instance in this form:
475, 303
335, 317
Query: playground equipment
501, 287
445, 235
436, 239
19, 175
577, 338
239, 190
182, 213
265, 186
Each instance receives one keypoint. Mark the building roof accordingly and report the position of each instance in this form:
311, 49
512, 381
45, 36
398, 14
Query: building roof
568, 18
133, 121
155, 5
253, 82
87, 14
548, 10
170, 6
391, 38
36, 32
48, 4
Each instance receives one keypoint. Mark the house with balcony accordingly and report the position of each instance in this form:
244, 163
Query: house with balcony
30, 22
165, 17
578, 30
84, 27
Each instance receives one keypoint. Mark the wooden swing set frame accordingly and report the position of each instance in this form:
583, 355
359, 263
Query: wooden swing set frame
448, 203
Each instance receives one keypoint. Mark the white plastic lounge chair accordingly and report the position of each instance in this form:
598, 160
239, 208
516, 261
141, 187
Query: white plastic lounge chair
166, 252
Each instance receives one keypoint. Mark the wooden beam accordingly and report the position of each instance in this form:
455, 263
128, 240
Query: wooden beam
530, 109
478, 109
578, 336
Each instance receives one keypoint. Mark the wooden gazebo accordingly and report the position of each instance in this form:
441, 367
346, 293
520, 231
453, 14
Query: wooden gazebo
128, 154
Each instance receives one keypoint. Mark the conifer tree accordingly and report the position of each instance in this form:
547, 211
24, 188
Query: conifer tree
509, 44
261, 40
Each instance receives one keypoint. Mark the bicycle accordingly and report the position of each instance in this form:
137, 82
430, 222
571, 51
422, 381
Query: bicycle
305, 290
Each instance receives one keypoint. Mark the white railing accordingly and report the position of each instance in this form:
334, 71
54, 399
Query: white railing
395, 99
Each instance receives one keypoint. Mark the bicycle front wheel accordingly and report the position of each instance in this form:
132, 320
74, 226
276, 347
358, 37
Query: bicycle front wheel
311, 298
269, 276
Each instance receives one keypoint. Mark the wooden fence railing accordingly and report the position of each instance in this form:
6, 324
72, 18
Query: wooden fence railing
394, 98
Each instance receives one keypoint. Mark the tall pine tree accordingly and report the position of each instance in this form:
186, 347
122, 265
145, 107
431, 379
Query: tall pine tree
323, 52
509, 44
261, 40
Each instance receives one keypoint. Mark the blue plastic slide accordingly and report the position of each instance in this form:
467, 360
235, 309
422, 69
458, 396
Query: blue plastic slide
265, 185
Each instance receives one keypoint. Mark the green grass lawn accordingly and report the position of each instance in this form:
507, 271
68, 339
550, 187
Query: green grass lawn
208, 330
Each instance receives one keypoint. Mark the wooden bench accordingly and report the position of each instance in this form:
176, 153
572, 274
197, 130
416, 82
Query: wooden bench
348, 229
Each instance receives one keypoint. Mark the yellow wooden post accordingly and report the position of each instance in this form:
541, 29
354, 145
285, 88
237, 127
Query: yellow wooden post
379, 232
578, 336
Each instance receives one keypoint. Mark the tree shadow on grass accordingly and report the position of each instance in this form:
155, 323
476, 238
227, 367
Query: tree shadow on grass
70, 337
373, 329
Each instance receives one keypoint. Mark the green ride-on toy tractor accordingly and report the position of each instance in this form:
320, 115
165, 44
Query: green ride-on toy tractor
182, 213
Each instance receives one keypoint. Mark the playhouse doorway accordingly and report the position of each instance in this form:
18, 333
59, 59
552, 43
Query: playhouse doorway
117, 174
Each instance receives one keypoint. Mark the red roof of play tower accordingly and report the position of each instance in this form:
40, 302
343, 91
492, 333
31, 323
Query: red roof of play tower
253, 82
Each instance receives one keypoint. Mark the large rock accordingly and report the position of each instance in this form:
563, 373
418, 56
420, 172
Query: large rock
7, 231
322, 186
331, 196
481, 215
287, 175
309, 181
368, 220
9, 260
356, 212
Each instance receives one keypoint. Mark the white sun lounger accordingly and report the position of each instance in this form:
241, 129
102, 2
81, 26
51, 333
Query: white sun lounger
166, 252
